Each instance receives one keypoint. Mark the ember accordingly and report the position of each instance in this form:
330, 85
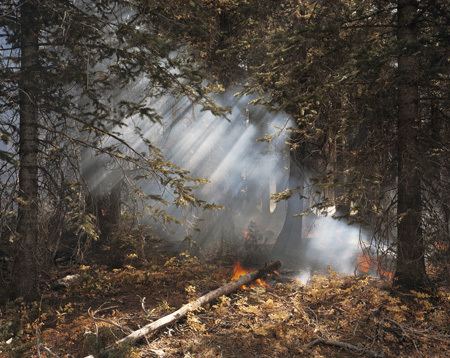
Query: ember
239, 270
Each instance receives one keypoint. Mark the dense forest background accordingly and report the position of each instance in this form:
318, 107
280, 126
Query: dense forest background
86, 180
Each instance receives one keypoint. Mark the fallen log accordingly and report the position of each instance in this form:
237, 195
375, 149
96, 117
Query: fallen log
192, 306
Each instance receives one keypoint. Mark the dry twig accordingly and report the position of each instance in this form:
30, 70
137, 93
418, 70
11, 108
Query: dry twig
346, 346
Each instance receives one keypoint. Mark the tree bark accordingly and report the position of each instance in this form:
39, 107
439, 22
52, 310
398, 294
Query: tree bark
26, 265
340, 194
108, 211
410, 270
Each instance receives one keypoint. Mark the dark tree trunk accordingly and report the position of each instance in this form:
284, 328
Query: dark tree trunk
26, 266
410, 271
438, 172
109, 213
441, 139
106, 206
340, 195
289, 240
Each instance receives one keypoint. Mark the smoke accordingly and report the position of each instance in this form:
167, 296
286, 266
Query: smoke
332, 243
242, 172
240, 169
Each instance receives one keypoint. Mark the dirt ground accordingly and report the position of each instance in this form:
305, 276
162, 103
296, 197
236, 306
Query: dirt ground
282, 320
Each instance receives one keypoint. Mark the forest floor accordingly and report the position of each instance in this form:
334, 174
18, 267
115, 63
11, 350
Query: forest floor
278, 321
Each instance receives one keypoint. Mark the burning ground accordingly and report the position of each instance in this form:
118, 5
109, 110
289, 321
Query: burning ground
278, 318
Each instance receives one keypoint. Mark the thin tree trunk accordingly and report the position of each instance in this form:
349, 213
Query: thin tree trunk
445, 187
410, 271
26, 266
340, 199
108, 211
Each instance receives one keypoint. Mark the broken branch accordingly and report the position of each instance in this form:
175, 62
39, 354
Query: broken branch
193, 306
346, 346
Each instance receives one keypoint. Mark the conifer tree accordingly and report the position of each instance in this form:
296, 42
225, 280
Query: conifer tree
73, 73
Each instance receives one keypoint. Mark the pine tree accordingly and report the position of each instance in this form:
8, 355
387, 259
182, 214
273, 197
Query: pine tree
410, 270
75, 72
359, 79
26, 268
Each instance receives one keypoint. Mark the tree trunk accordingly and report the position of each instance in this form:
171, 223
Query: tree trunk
442, 135
410, 271
108, 212
26, 266
340, 192
289, 240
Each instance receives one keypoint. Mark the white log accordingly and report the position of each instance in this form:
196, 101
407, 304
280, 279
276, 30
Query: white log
192, 306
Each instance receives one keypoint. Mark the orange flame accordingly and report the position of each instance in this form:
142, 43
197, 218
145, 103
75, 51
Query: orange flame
387, 275
239, 271
246, 235
441, 246
366, 264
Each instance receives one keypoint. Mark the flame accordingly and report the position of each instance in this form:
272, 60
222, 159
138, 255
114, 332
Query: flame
239, 271
246, 236
441, 246
366, 264
387, 275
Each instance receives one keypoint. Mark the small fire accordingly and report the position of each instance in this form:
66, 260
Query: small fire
441, 246
364, 263
246, 235
367, 264
239, 271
